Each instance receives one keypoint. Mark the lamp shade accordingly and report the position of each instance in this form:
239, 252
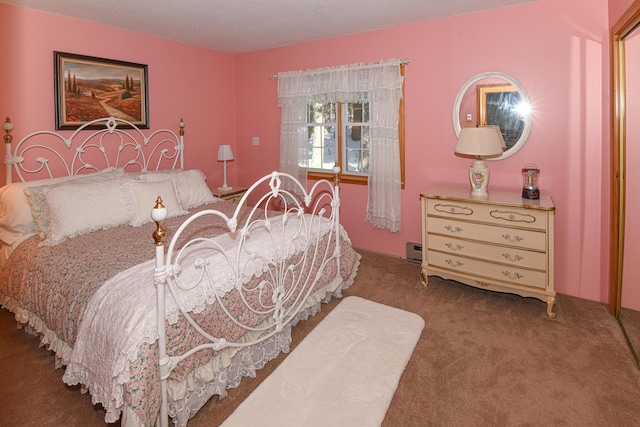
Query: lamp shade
225, 153
480, 142
499, 132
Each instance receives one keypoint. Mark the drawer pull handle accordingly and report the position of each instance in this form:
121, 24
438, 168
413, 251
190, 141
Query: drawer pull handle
453, 247
513, 216
510, 275
510, 257
453, 209
453, 263
510, 238
453, 229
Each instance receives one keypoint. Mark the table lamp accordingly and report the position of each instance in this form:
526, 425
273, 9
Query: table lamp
224, 154
480, 142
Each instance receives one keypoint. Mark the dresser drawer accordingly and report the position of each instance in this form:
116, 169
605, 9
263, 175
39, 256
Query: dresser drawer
496, 253
235, 198
480, 269
491, 234
499, 215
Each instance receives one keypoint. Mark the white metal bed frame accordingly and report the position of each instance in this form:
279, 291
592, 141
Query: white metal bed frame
314, 215
119, 144
289, 294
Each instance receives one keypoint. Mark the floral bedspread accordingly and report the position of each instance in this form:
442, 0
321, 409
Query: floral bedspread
55, 283
50, 287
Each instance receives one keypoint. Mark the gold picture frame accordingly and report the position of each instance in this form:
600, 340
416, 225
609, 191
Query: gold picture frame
88, 88
498, 105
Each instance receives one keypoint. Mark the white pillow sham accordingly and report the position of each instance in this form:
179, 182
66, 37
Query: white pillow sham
36, 199
64, 207
140, 198
190, 186
79, 208
16, 220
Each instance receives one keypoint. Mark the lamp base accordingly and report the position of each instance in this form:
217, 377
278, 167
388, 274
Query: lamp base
479, 178
224, 187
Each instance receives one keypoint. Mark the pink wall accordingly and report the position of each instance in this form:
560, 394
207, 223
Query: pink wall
184, 81
617, 9
563, 65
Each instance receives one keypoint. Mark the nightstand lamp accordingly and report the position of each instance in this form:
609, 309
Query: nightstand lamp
225, 154
480, 142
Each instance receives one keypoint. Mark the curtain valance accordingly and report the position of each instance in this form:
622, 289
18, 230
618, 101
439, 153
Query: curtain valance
346, 83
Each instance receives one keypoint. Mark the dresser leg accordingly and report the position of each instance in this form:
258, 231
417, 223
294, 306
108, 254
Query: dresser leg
425, 279
551, 303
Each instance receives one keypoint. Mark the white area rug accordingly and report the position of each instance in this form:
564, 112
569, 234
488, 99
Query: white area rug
344, 373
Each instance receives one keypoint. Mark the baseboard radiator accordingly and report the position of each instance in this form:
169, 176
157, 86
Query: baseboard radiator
414, 252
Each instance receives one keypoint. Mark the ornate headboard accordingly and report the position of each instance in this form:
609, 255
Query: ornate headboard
99, 144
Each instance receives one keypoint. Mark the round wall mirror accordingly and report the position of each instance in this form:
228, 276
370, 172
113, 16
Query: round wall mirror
494, 98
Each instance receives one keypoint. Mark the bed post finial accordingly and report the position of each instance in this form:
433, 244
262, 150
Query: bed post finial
159, 214
336, 178
181, 125
8, 127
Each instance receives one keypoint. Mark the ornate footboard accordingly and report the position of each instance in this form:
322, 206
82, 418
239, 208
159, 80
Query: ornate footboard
258, 277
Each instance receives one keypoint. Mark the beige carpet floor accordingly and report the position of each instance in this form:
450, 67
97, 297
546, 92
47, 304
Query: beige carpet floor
630, 319
484, 359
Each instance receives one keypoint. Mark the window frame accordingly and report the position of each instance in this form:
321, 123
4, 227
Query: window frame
348, 178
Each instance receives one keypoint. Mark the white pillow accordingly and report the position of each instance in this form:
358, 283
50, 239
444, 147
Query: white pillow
16, 221
36, 200
141, 197
15, 216
80, 208
190, 185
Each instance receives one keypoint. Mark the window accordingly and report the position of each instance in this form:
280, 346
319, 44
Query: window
356, 131
339, 133
322, 123
326, 119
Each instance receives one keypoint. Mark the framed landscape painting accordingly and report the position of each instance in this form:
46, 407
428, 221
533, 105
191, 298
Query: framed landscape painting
88, 88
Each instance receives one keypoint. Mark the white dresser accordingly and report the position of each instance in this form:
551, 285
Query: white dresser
502, 242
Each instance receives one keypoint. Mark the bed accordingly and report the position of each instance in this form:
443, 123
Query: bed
153, 294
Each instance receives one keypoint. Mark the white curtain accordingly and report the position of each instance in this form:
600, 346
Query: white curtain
380, 84
293, 143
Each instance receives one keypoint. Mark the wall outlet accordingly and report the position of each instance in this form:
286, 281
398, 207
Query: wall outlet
255, 140
469, 118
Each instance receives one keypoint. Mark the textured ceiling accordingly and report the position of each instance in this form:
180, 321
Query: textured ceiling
237, 26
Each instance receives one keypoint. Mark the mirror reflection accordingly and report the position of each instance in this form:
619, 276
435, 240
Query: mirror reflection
498, 104
629, 293
495, 98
